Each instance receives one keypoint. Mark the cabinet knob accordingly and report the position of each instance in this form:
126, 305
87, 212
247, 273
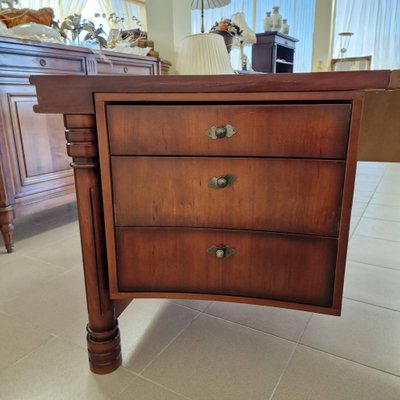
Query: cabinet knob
221, 251
221, 182
220, 132
126, 70
42, 62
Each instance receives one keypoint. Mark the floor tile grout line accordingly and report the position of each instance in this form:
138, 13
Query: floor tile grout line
283, 372
250, 327
372, 304
290, 358
49, 340
168, 344
368, 202
373, 237
372, 265
164, 387
350, 360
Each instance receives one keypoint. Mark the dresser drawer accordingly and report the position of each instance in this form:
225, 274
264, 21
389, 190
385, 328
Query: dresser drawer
289, 130
119, 67
285, 195
42, 64
267, 266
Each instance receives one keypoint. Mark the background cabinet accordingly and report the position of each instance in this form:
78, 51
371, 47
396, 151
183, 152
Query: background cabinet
273, 53
34, 169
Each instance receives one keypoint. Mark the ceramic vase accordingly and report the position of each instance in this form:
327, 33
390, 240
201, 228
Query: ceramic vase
276, 19
268, 22
285, 27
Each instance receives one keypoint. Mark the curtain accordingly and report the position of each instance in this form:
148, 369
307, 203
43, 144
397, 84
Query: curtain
71, 7
376, 28
129, 9
299, 13
36, 4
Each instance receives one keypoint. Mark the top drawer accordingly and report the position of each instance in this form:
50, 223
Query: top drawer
41, 64
281, 130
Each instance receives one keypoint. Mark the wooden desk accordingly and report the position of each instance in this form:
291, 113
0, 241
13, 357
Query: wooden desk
232, 188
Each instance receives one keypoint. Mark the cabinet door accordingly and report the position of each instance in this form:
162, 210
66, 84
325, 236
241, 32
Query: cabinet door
34, 148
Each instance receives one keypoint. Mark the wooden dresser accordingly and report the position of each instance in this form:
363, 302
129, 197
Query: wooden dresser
232, 188
32, 180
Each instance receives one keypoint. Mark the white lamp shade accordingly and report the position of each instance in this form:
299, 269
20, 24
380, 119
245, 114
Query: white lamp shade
248, 36
203, 54
199, 4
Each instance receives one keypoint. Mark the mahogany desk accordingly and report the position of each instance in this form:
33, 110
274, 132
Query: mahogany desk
232, 188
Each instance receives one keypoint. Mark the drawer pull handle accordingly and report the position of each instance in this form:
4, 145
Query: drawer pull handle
42, 62
126, 70
221, 251
219, 132
221, 182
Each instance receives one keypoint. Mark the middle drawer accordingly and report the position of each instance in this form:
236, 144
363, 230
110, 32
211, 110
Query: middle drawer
281, 195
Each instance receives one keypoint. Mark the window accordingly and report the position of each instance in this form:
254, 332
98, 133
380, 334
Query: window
376, 28
299, 13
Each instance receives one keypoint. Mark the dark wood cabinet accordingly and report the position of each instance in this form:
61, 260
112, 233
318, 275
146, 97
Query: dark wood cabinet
273, 53
228, 188
34, 169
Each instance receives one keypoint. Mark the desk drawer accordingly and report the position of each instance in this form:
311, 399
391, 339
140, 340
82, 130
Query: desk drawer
291, 130
291, 268
290, 195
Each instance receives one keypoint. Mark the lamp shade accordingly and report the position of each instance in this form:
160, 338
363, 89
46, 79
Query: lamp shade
248, 36
203, 54
203, 4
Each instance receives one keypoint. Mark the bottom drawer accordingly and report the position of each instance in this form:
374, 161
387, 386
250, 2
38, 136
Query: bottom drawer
293, 268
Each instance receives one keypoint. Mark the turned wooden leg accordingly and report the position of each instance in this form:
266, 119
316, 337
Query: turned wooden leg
103, 336
7, 227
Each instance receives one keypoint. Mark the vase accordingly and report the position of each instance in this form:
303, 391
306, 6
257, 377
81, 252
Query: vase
268, 22
228, 38
285, 27
276, 19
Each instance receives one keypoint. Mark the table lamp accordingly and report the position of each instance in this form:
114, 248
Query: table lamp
247, 37
203, 54
204, 4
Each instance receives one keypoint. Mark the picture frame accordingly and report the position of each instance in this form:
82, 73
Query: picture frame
351, 64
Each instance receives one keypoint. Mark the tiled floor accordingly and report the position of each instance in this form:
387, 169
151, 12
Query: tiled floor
203, 350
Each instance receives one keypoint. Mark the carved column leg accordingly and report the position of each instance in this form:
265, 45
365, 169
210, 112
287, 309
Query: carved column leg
7, 227
102, 331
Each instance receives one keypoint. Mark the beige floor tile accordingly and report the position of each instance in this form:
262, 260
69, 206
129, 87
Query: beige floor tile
216, 359
389, 184
379, 229
362, 196
358, 208
55, 305
65, 253
199, 305
147, 326
59, 371
364, 333
386, 199
365, 185
389, 213
374, 285
19, 274
142, 389
374, 251
288, 324
312, 375
354, 221
18, 338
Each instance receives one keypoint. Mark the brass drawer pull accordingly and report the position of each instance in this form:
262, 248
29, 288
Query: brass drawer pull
221, 251
221, 182
219, 132
42, 62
